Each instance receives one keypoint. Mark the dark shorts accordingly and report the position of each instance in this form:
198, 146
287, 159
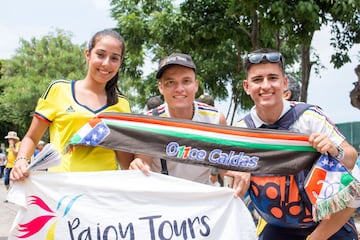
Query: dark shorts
348, 232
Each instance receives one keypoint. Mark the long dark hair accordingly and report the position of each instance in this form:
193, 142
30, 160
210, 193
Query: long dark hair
111, 88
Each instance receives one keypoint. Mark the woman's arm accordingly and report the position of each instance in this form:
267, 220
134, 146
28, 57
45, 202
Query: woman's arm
330, 225
27, 148
124, 159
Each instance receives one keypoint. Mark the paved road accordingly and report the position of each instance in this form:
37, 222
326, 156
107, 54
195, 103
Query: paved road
7, 212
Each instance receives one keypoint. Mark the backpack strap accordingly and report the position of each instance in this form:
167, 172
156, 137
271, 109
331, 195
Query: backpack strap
300, 179
286, 120
249, 121
292, 115
164, 169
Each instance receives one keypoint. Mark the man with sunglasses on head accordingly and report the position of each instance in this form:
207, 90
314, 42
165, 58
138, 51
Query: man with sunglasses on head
265, 83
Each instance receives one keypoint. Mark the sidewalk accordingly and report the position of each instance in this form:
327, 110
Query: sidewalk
7, 212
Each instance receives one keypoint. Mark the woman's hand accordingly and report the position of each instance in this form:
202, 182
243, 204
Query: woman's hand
19, 172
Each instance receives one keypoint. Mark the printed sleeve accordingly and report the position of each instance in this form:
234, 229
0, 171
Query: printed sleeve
314, 120
48, 105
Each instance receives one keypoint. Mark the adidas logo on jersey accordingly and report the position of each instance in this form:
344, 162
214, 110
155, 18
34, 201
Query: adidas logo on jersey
70, 109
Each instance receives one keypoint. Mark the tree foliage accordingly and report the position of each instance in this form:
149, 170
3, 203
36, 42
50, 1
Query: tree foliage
218, 33
25, 77
345, 30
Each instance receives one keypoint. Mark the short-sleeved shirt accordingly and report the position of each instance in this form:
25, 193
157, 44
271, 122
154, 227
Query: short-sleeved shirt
202, 113
59, 107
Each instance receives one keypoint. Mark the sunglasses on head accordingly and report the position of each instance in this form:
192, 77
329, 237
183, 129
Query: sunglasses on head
273, 57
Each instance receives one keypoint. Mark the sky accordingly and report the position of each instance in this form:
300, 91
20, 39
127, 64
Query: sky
36, 18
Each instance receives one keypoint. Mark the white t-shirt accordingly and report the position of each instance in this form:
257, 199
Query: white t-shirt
202, 113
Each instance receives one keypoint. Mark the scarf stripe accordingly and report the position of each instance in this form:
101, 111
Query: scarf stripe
213, 137
266, 133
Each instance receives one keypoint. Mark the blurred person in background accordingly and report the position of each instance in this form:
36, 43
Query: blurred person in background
12, 152
2, 163
39, 147
153, 102
293, 90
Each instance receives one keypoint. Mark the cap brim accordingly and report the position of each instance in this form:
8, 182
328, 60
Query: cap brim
161, 71
7, 137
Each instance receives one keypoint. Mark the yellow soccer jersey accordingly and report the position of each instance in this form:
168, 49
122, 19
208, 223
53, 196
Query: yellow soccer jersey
58, 107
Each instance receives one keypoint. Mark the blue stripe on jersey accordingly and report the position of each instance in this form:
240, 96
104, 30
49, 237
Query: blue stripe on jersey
207, 108
211, 109
161, 110
52, 84
38, 115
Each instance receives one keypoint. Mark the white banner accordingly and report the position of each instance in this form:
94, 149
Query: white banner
125, 205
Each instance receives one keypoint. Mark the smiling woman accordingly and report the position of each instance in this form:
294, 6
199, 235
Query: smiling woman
67, 105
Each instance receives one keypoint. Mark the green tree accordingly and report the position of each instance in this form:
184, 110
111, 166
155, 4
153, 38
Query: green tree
345, 28
301, 20
35, 64
215, 33
218, 33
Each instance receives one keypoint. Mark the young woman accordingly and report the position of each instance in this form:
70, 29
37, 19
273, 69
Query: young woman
67, 105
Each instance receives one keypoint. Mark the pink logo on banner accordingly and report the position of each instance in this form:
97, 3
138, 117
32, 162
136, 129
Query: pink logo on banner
35, 225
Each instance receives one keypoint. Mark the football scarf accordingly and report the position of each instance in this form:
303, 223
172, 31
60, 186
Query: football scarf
224, 147
259, 151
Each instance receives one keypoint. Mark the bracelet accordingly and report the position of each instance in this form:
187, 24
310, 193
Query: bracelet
22, 158
341, 153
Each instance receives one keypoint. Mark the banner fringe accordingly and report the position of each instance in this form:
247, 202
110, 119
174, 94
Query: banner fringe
337, 202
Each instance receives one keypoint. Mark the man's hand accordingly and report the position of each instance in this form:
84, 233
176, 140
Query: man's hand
323, 144
241, 181
142, 163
